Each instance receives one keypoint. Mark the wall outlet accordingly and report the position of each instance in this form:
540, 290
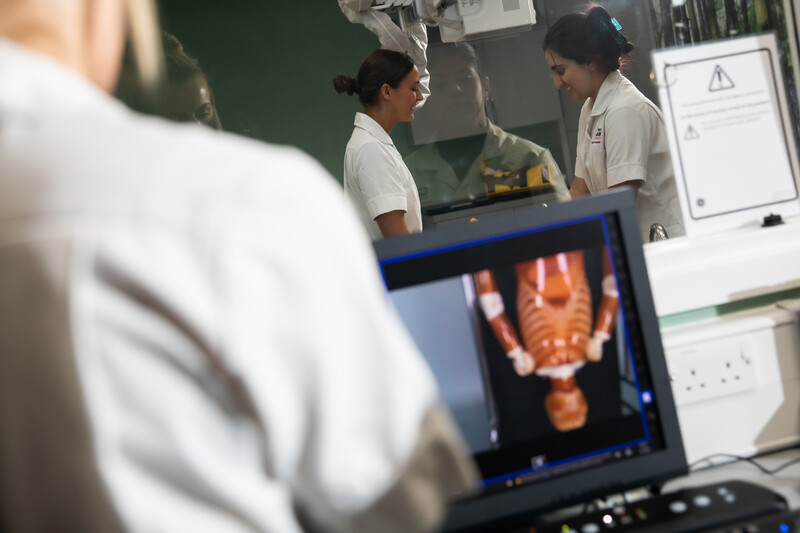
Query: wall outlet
711, 369
756, 413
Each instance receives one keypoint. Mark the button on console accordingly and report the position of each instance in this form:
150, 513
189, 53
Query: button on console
702, 500
678, 506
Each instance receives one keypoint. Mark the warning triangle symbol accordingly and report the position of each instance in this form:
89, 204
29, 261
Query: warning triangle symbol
691, 134
719, 80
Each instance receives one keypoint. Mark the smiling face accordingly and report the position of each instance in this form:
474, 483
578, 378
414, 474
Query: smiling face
580, 81
405, 97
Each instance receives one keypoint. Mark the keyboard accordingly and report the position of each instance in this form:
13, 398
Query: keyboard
781, 522
720, 507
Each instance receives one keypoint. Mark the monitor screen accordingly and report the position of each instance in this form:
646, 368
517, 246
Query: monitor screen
540, 329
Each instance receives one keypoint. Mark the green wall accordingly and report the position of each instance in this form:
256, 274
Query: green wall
273, 62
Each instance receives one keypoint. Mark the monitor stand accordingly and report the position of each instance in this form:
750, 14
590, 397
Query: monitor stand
692, 509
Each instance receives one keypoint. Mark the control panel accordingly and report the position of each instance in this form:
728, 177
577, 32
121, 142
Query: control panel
706, 508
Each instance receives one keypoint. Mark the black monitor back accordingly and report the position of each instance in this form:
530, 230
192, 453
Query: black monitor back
629, 436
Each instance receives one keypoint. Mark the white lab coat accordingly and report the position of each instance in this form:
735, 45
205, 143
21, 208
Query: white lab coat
621, 137
376, 180
238, 363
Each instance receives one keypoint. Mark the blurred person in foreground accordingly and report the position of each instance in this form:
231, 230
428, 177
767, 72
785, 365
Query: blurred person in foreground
180, 348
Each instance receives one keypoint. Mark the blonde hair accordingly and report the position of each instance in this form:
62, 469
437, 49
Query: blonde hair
145, 40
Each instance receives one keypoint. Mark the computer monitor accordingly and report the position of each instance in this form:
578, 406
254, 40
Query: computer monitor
540, 329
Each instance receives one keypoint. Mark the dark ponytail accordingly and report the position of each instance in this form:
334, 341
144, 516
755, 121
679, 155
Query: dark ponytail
343, 83
588, 37
380, 67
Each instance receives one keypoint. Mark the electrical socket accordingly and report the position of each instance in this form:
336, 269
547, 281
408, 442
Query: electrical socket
711, 369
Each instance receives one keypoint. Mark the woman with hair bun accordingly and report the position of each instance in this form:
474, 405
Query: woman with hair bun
376, 181
621, 137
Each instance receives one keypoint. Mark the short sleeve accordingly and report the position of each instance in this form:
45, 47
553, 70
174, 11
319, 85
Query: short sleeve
379, 179
627, 145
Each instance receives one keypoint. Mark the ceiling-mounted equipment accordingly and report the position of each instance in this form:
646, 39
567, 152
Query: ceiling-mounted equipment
467, 20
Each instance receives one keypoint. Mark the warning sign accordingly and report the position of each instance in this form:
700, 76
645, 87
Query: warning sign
720, 81
723, 102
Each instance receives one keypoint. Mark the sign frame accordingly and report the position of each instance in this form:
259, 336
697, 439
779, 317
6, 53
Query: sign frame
734, 197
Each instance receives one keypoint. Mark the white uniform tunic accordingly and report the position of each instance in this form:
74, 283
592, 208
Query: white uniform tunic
237, 359
621, 137
376, 180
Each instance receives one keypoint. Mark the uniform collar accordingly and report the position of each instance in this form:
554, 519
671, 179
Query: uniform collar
365, 122
606, 93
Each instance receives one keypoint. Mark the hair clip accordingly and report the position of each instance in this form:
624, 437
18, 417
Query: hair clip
617, 26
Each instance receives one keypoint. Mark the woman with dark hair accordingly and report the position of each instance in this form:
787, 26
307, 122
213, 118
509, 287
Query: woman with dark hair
184, 95
621, 137
465, 155
376, 181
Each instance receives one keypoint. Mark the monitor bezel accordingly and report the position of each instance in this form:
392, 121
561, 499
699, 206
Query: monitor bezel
527, 501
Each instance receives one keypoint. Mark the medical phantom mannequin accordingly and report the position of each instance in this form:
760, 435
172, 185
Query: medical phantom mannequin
554, 307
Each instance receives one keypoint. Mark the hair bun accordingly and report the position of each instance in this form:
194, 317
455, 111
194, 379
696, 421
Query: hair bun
606, 27
343, 83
